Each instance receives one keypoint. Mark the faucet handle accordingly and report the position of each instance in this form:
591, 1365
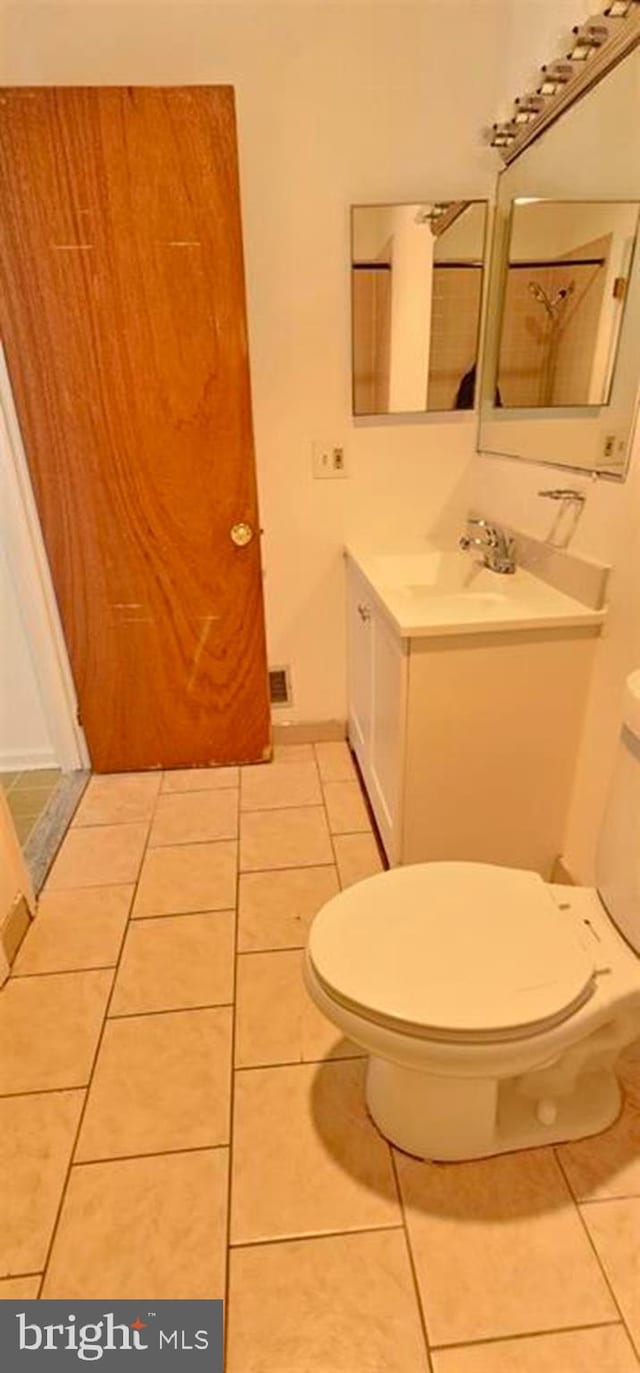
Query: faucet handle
490, 531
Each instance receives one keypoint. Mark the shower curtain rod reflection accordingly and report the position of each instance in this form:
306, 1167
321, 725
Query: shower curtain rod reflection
559, 262
439, 266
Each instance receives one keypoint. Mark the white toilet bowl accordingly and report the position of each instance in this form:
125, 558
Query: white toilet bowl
493, 1006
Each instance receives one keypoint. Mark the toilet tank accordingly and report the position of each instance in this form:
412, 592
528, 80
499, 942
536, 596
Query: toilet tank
618, 857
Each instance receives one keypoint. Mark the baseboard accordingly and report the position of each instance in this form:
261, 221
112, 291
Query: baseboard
310, 732
560, 873
24, 760
14, 927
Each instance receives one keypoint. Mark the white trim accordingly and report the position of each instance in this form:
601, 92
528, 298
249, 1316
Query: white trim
309, 732
22, 540
27, 759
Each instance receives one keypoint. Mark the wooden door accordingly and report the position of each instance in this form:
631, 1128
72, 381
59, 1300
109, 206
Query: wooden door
123, 319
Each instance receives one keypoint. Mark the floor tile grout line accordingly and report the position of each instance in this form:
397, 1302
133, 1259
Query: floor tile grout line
606, 1201
232, 1083
592, 1245
108, 824
199, 791
528, 1335
290, 867
171, 915
64, 972
58, 972
14, 1277
150, 1153
233, 837
170, 1010
298, 1063
83, 1109
177, 915
331, 836
72, 829
276, 948
373, 829
422, 1315
42, 1091
199, 910
309, 1237
106, 967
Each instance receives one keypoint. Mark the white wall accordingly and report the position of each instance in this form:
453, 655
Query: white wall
339, 101
25, 739
15, 881
609, 530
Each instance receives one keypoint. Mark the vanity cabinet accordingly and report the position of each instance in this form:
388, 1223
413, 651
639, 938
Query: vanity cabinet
466, 742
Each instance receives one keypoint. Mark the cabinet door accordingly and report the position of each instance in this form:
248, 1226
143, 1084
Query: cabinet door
359, 629
388, 725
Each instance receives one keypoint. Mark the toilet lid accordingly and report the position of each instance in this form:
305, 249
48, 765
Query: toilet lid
464, 948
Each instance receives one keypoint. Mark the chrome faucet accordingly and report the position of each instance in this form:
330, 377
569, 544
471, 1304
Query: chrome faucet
497, 547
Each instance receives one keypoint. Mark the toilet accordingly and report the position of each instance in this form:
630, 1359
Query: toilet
492, 1005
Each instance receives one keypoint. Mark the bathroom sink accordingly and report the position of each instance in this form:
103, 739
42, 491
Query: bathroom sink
433, 573
441, 574
439, 591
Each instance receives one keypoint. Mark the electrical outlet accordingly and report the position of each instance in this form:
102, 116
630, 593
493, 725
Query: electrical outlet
609, 446
328, 459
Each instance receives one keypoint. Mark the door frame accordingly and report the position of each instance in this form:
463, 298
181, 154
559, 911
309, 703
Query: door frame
29, 566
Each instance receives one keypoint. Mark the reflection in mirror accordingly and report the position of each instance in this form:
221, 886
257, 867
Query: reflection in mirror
416, 290
566, 281
561, 361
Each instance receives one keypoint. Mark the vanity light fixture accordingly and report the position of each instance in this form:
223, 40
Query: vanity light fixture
503, 135
429, 214
528, 107
554, 76
619, 9
597, 45
588, 37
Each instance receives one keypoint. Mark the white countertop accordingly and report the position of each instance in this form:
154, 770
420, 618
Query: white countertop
437, 592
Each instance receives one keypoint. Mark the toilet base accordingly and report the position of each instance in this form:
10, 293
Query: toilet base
450, 1119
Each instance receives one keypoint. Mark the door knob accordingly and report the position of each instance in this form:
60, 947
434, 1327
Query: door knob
241, 534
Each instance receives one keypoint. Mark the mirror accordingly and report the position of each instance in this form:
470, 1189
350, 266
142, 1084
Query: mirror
568, 266
416, 295
562, 350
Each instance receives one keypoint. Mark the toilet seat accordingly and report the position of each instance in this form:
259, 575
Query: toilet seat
453, 951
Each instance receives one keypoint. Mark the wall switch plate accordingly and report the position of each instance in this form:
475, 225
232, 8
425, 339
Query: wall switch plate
328, 459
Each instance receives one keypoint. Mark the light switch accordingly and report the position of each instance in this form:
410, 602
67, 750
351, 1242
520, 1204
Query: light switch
328, 459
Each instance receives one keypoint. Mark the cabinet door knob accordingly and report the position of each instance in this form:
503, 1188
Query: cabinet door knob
364, 611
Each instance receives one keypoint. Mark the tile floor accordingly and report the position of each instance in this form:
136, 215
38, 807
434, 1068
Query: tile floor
28, 795
177, 1119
